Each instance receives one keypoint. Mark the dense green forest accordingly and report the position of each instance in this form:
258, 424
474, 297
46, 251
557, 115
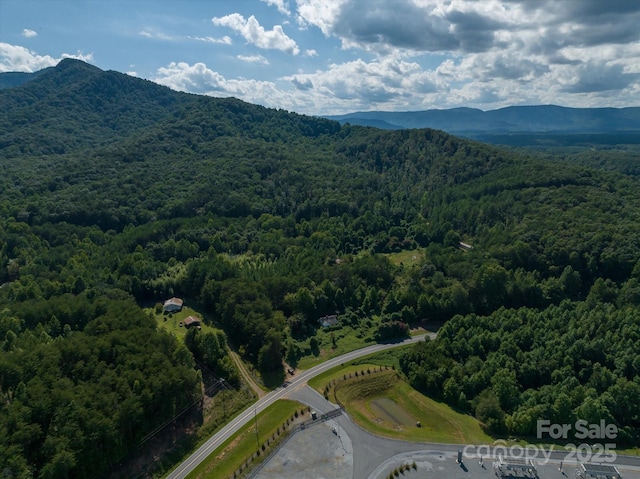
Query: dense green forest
117, 193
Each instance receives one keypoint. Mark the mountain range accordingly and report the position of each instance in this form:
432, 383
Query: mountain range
513, 119
504, 125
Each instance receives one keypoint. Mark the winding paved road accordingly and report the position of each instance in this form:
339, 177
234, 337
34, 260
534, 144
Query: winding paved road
247, 415
370, 451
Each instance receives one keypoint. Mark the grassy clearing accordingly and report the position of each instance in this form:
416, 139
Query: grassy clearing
171, 322
439, 423
406, 257
231, 455
334, 343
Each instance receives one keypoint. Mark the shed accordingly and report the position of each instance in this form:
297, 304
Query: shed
191, 321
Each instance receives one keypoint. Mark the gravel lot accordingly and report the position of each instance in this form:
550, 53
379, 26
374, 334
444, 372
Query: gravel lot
315, 453
318, 453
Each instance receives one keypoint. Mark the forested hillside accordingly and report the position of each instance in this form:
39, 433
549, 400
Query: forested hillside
116, 192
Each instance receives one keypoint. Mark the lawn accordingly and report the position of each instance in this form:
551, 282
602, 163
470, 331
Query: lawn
228, 458
171, 322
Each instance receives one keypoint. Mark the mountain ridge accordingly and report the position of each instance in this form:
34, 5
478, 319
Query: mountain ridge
511, 119
463, 121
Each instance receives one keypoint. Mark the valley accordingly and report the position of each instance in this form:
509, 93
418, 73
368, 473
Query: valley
294, 240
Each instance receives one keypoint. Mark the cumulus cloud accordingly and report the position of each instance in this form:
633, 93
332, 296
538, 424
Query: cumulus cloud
27, 33
16, 58
594, 77
384, 84
420, 54
491, 52
466, 26
251, 30
319, 13
302, 83
392, 23
281, 5
198, 78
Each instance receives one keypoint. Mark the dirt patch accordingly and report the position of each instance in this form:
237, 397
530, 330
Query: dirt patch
389, 411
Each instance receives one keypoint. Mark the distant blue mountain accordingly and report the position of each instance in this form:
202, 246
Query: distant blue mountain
514, 119
14, 79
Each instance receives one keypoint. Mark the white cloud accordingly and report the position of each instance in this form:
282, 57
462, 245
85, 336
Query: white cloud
226, 40
198, 78
27, 33
255, 34
16, 58
465, 26
319, 13
491, 53
156, 35
254, 59
357, 85
421, 54
281, 5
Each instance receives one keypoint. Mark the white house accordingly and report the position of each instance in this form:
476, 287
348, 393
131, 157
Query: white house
173, 305
327, 321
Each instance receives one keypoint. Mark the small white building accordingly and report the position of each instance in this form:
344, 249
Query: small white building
172, 305
465, 246
330, 320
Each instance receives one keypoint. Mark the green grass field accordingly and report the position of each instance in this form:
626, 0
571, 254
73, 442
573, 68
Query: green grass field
228, 458
171, 322
439, 422
406, 257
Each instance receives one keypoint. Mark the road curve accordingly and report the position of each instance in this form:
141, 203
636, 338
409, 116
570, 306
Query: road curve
247, 415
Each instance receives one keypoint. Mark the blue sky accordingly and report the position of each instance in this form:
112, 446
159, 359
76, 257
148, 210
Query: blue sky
335, 56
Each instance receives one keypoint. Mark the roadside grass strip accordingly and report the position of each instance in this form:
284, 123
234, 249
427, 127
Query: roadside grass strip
240, 452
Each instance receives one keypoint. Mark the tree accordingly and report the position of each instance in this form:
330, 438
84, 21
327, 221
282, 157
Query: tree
489, 412
490, 287
270, 355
